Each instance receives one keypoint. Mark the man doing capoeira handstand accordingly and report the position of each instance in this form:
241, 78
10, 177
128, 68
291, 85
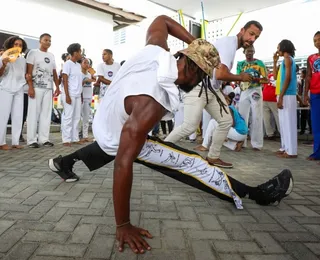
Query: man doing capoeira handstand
141, 94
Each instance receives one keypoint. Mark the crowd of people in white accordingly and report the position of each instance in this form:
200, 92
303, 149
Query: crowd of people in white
261, 102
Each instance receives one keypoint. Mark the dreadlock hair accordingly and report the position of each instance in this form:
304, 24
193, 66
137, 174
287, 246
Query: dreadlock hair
190, 65
206, 85
9, 43
202, 77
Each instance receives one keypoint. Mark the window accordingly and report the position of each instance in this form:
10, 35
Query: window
120, 36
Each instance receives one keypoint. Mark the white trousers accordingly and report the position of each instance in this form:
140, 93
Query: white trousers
233, 136
70, 119
252, 99
85, 114
39, 116
268, 109
11, 103
288, 125
193, 108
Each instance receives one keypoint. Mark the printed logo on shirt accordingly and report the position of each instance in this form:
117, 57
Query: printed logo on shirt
256, 96
110, 73
47, 60
316, 65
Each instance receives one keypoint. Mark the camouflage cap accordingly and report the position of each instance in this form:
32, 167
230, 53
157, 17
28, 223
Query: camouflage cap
204, 54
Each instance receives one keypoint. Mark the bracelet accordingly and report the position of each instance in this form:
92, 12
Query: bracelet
121, 225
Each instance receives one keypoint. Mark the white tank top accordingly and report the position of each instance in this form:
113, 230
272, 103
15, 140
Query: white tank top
152, 71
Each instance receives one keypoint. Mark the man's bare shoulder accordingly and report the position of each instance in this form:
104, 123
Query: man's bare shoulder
144, 103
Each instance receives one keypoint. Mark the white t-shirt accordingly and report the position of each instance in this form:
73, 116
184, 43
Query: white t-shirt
152, 72
108, 72
13, 78
43, 66
227, 48
74, 73
87, 87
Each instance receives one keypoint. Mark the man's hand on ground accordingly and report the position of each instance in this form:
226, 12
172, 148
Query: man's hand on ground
133, 237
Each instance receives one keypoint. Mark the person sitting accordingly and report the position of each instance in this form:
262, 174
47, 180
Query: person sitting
236, 135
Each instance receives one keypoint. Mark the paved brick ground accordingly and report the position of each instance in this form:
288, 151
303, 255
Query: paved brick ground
43, 218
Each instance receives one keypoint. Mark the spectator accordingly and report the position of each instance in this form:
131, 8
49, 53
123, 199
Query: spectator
251, 97
313, 84
87, 91
71, 96
305, 114
106, 71
11, 93
286, 89
41, 67
270, 107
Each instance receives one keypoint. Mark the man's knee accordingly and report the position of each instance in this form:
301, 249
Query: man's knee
189, 128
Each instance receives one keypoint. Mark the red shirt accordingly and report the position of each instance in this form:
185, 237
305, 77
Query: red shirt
314, 62
269, 90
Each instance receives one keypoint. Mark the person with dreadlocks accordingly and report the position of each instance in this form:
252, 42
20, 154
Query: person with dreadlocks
140, 95
211, 97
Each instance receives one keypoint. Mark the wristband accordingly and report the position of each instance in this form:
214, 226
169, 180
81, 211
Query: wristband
121, 225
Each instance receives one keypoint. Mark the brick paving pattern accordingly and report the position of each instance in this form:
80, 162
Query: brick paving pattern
43, 218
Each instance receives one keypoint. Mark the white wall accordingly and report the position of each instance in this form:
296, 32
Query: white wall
65, 21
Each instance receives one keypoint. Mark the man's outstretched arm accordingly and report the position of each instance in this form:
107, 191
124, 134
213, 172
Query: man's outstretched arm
161, 27
144, 113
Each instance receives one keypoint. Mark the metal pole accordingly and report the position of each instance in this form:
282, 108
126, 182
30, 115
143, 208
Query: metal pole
181, 21
234, 23
203, 22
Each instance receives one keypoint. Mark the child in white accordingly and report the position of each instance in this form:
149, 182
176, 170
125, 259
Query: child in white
106, 71
42, 66
12, 81
71, 96
86, 97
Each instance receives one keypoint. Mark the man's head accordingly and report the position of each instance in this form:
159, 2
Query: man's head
249, 52
195, 63
316, 40
249, 34
45, 41
107, 56
74, 50
286, 46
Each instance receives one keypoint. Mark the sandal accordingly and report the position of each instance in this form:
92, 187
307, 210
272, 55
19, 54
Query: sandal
287, 156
